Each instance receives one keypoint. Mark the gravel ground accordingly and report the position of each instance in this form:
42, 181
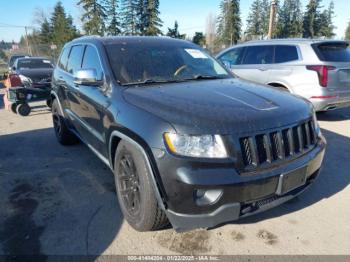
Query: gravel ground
61, 200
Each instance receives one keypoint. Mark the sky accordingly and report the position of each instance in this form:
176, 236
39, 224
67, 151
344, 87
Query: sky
190, 14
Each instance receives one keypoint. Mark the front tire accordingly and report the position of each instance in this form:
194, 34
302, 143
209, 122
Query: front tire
23, 109
135, 191
63, 134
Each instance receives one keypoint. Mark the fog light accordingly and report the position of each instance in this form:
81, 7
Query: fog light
205, 197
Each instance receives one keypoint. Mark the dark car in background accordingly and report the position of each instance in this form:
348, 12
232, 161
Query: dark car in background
33, 71
187, 142
13, 59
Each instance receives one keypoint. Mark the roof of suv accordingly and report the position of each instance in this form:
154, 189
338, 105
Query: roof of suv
291, 41
128, 39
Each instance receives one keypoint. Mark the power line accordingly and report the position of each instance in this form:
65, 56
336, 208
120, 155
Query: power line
16, 26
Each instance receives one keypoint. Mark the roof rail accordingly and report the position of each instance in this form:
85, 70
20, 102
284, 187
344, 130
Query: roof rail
86, 37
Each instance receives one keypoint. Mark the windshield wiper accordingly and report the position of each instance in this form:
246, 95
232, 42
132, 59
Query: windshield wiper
150, 81
205, 77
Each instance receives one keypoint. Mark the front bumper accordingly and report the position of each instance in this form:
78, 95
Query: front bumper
242, 195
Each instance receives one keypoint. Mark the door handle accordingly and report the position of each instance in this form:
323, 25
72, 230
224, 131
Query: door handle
263, 69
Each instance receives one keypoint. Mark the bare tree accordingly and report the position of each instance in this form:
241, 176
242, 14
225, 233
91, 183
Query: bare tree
39, 16
210, 32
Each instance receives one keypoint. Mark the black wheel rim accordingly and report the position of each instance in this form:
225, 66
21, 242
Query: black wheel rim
57, 123
129, 185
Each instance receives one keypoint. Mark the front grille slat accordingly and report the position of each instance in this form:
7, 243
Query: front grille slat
290, 141
265, 149
267, 146
300, 139
253, 149
307, 131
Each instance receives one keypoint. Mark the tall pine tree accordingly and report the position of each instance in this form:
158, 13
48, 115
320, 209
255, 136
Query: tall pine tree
326, 26
347, 32
62, 29
112, 17
93, 17
45, 34
258, 19
151, 20
229, 22
290, 19
311, 23
174, 32
129, 17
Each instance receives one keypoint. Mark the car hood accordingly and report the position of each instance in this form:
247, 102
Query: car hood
219, 106
36, 74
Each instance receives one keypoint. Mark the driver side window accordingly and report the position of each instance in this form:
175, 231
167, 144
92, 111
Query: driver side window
232, 57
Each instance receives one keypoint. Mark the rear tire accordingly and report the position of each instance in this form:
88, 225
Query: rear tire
135, 190
23, 109
63, 134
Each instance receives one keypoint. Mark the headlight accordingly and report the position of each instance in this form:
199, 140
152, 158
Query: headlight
206, 146
317, 126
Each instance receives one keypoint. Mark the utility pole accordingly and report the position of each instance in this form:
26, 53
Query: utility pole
27, 42
272, 18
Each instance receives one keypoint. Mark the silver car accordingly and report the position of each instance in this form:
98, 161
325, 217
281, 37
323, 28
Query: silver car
318, 70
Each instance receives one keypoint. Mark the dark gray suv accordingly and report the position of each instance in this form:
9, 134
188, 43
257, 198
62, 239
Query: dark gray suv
187, 142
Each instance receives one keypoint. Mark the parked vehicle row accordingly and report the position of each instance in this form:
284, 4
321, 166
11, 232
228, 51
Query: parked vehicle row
318, 70
187, 141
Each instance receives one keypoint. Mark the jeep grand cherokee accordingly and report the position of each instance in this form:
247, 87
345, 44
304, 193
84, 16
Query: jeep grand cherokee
187, 142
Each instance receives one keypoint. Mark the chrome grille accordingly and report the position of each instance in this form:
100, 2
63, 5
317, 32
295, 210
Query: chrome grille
277, 145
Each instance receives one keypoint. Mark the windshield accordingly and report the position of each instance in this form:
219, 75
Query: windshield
334, 52
34, 64
137, 63
13, 59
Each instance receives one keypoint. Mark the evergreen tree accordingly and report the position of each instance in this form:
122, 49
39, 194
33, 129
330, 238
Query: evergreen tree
326, 22
229, 22
45, 35
347, 32
290, 19
258, 19
129, 16
62, 28
311, 23
151, 21
199, 39
141, 14
112, 19
174, 33
265, 15
93, 17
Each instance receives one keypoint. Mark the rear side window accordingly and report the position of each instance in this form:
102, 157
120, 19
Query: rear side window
75, 58
333, 52
64, 59
258, 55
285, 53
233, 57
92, 61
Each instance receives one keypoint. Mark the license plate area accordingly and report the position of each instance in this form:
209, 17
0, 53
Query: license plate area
344, 75
292, 180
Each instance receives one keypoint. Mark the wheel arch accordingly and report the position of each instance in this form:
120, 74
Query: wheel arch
280, 85
116, 137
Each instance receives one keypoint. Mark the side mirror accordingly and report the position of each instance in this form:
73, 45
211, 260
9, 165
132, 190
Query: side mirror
87, 77
227, 64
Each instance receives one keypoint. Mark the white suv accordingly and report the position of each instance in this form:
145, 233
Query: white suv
318, 70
